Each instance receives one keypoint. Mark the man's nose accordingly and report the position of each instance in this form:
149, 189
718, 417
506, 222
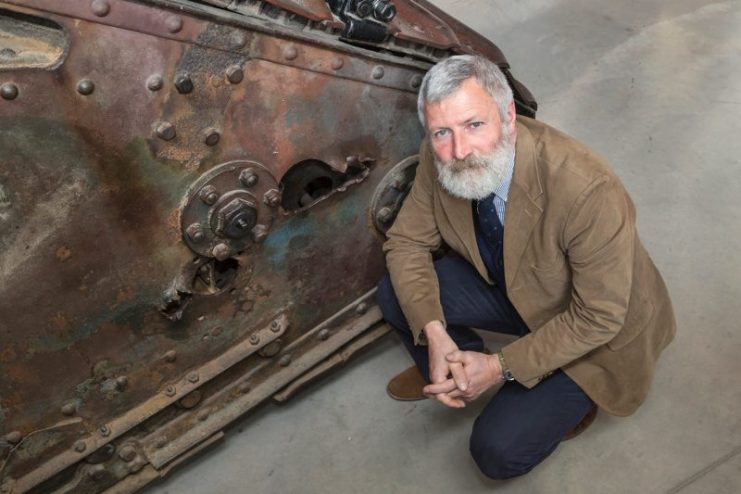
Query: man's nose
461, 146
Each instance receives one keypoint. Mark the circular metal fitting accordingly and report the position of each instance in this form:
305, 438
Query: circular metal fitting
165, 131
170, 390
191, 400
85, 87
104, 430
96, 472
211, 136
323, 334
127, 453
170, 356
254, 339
383, 10
391, 192
285, 360
274, 326
80, 446
155, 82
234, 74
337, 63
193, 377
101, 8
415, 81
183, 83
9, 91
226, 209
69, 409
378, 72
174, 24
361, 308
363, 8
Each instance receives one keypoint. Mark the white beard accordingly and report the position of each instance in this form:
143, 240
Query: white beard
477, 176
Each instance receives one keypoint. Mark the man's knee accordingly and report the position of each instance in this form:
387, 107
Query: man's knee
499, 456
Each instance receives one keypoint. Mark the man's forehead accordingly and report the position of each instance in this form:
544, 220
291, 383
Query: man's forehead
468, 102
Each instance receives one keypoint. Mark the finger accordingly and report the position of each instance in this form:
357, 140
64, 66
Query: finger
459, 376
437, 388
450, 402
459, 356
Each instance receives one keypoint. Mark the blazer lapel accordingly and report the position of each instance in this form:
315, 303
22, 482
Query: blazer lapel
523, 209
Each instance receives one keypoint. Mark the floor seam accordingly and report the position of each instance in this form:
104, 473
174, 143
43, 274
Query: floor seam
698, 475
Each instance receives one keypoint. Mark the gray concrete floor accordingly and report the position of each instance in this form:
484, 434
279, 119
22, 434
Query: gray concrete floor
655, 87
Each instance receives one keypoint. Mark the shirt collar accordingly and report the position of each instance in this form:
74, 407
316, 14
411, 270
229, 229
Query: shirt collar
503, 190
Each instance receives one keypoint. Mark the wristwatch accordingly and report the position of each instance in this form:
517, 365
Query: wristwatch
506, 373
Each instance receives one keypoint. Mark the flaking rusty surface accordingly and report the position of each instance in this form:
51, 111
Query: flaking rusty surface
107, 316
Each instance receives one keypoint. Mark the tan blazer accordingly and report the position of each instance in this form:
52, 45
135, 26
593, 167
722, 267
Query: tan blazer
574, 267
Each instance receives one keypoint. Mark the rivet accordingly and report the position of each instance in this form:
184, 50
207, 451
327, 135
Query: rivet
170, 390
170, 356
127, 453
195, 233
290, 53
165, 131
238, 40
193, 377
337, 63
248, 177
155, 82
361, 308
160, 442
121, 382
211, 136
80, 446
221, 252
191, 399
259, 232
101, 8
274, 326
174, 24
69, 409
234, 74
85, 87
244, 388
96, 472
9, 91
384, 214
104, 431
324, 334
377, 72
203, 414
416, 81
208, 195
272, 198
183, 83
14, 437
254, 339
285, 360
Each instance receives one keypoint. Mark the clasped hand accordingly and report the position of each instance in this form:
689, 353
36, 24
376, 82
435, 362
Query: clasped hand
457, 376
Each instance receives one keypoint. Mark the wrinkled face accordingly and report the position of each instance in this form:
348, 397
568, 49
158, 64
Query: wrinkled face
473, 147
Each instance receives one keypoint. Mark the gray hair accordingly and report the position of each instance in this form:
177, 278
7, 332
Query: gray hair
446, 77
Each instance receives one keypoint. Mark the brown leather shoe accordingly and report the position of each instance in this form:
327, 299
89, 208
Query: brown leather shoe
582, 426
407, 385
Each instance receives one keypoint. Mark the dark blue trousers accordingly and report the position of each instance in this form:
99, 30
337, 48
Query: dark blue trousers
519, 427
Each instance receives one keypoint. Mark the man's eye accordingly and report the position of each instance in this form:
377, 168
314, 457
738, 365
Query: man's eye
476, 125
440, 133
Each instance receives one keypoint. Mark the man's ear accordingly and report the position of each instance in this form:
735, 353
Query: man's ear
511, 116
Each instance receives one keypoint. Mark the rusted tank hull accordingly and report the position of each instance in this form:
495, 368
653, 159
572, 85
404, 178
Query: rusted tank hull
190, 205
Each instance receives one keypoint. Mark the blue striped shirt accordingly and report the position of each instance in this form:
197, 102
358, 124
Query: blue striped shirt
501, 193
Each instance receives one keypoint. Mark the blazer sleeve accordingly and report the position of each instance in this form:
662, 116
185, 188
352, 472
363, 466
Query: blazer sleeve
599, 238
408, 248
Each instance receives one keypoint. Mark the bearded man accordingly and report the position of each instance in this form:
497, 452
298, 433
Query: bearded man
542, 245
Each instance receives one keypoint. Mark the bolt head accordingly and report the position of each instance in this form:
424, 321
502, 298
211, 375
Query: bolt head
195, 233
165, 131
101, 8
193, 377
337, 63
363, 8
361, 308
384, 214
211, 136
127, 453
69, 409
14, 437
259, 233
97, 472
122, 382
290, 53
272, 198
208, 195
274, 326
9, 91
80, 446
248, 177
170, 390
221, 252
416, 81
170, 356
378, 72
234, 74
323, 334
104, 430
85, 87
383, 10
183, 83
285, 360
155, 82
254, 339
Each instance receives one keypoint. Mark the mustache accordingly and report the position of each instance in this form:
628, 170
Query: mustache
470, 162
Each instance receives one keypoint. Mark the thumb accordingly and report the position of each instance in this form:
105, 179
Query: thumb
457, 356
